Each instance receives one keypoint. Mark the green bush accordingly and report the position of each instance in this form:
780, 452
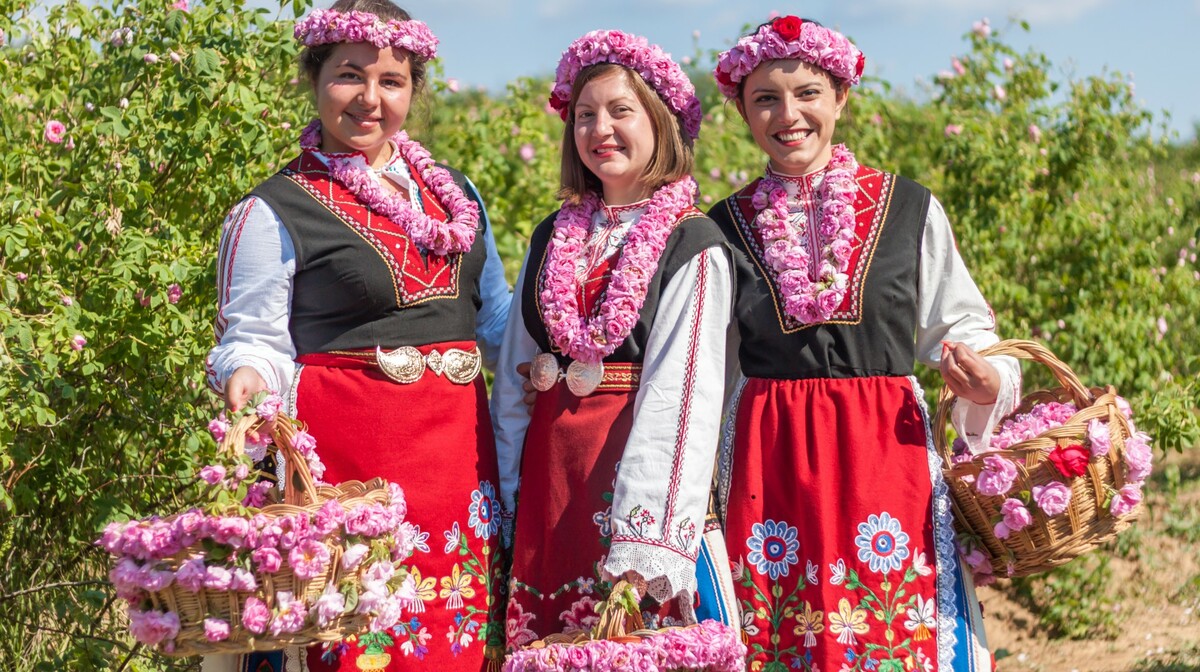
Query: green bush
108, 239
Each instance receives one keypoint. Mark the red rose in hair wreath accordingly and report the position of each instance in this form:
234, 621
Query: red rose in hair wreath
788, 27
1070, 461
862, 62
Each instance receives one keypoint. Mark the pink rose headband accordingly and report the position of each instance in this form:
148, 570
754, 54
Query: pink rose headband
326, 26
634, 52
789, 37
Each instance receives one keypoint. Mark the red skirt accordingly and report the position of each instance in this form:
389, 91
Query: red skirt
562, 532
831, 525
434, 438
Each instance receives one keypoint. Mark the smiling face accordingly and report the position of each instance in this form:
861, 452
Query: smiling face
363, 96
615, 137
791, 108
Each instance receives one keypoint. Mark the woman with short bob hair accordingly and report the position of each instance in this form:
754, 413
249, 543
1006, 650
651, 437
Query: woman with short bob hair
622, 306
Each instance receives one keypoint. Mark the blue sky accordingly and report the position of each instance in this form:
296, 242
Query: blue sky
907, 42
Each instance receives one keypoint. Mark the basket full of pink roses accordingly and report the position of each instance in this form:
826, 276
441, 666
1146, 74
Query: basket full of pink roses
1063, 474
619, 642
246, 573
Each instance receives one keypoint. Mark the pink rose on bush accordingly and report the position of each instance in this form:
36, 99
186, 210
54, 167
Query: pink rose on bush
212, 474
997, 476
1053, 498
1125, 500
54, 132
216, 630
255, 615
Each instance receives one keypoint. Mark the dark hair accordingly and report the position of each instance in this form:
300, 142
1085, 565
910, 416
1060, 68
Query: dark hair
313, 58
673, 154
741, 86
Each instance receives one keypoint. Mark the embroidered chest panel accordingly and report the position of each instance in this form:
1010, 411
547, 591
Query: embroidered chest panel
416, 277
870, 209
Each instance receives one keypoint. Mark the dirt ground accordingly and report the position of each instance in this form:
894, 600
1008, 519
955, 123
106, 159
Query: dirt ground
1155, 596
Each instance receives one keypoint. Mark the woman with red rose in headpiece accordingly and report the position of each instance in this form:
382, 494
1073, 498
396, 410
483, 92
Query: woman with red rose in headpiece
362, 283
622, 307
830, 487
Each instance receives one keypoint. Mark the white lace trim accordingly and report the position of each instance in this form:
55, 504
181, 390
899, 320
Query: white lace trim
668, 574
943, 539
725, 450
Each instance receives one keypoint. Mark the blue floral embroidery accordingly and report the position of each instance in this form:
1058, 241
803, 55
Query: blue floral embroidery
773, 548
483, 511
881, 543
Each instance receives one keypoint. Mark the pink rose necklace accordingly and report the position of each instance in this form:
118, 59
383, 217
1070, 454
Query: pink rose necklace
454, 236
811, 291
588, 340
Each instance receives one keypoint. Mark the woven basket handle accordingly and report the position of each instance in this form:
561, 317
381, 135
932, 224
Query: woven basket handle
617, 619
299, 487
1020, 349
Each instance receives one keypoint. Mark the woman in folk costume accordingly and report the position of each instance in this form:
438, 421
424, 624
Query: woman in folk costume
362, 282
831, 491
622, 306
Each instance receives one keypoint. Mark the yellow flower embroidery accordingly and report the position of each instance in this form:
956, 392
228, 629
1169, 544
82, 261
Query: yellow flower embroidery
847, 622
456, 587
426, 590
811, 625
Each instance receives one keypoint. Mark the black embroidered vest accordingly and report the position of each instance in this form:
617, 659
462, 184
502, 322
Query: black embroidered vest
360, 281
873, 331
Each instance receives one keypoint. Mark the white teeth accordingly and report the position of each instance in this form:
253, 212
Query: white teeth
791, 136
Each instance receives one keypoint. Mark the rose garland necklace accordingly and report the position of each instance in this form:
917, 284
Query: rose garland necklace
590, 340
454, 236
811, 291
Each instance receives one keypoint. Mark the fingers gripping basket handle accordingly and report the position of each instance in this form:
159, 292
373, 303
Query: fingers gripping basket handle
1020, 349
299, 487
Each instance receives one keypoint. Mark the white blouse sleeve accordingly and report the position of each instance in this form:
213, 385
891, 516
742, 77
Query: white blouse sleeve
493, 290
665, 475
951, 308
510, 415
255, 266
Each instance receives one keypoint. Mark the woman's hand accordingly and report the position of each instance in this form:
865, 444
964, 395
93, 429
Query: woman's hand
243, 384
526, 385
968, 374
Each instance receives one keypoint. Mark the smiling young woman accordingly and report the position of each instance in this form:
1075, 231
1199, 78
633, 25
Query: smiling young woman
622, 305
359, 282
831, 492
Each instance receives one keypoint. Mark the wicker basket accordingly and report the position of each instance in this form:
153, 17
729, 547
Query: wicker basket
301, 494
1049, 541
620, 638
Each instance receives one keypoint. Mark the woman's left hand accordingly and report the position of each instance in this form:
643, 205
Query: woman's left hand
968, 374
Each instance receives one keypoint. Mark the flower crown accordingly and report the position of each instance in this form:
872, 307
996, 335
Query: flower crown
634, 52
789, 37
326, 26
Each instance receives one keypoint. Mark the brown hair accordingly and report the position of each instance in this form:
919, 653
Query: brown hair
313, 58
673, 154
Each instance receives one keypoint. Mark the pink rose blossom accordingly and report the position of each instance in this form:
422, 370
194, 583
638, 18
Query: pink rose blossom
452, 85
328, 518
243, 580
21, 277
1035, 133
387, 614
230, 530
68, 301
1053, 498
267, 559
191, 574
174, 293
997, 476
256, 495
1099, 439
1126, 500
982, 28
269, 407
216, 630
1138, 457
290, 614
181, 5
255, 615
218, 578
527, 152
241, 473
77, 342
150, 59
218, 427
304, 443
153, 627
953, 130
1016, 516
354, 555
329, 605
54, 131
176, 57
309, 559
959, 68
212, 474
